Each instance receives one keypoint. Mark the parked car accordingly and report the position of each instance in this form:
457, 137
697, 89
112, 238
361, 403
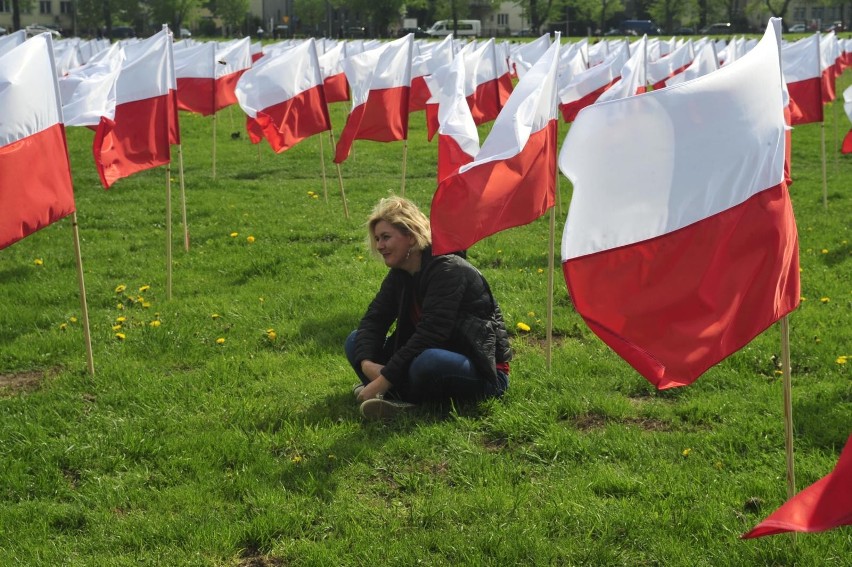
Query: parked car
797, 28
836, 27
185, 33
526, 32
721, 28
418, 32
122, 32
685, 30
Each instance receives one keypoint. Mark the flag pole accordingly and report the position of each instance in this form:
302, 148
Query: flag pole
404, 160
214, 144
824, 178
836, 144
183, 200
788, 409
322, 161
169, 230
87, 335
550, 268
339, 178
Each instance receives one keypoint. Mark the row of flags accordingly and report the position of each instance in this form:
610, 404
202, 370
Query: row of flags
676, 257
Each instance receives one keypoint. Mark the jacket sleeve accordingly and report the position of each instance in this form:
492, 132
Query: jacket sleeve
445, 284
380, 315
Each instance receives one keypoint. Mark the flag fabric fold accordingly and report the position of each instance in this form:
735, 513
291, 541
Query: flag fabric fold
458, 139
284, 97
380, 80
824, 505
681, 248
35, 174
512, 180
586, 87
846, 148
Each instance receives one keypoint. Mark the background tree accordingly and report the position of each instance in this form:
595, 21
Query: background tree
598, 11
778, 8
668, 13
176, 12
232, 12
312, 14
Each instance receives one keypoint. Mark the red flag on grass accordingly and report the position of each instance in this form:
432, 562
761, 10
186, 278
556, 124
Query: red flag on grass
35, 175
139, 135
824, 505
380, 80
284, 97
681, 247
512, 180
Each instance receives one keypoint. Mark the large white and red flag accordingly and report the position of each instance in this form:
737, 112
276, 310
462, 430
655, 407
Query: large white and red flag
824, 505
846, 148
380, 80
681, 247
458, 139
207, 75
35, 175
512, 180
585, 88
138, 137
333, 78
800, 62
284, 97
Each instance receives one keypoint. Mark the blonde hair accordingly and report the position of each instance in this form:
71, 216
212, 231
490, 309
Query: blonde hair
405, 216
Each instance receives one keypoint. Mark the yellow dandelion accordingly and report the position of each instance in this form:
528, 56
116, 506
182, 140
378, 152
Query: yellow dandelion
271, 335
540, 270
778, 372
824, 250
686, 452
120, 336
260, 299
155, 323
214, 316
531, 314
842, 359
360, 258
235, 234
116, 327
331, 457
296, 458
523, 327
499, 251
120, 306
121, 319
63, 326
72, 319
250, 239
120, 288
146, 304
144, 288
220, 341
719, 465
311, 193
824, 299
38, 262
803, 298
314, 196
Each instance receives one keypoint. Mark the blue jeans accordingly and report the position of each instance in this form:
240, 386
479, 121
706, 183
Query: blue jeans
436, 375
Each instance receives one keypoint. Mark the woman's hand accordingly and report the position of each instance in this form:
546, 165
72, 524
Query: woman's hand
375, 388
371, 370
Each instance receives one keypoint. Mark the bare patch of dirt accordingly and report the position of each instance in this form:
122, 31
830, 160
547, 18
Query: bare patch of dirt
261, 561
27, 381
591, 421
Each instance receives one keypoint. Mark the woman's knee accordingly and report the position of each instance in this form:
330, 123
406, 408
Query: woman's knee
349, 345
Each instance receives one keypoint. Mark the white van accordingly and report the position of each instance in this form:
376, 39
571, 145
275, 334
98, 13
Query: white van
464, 27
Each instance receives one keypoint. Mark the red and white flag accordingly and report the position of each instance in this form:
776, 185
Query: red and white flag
705, 62
195, 72
829, 65
800, 62
681, 247
526, 55
585, 88
458, 139
380, 80
512, 180
824, 505
633, 80
284, 96
847, 108
482, 86
137, 138
35, 175
666, 67
333, 77
88, 92
426, 63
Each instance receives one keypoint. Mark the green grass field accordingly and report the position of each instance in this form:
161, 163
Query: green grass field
221, 430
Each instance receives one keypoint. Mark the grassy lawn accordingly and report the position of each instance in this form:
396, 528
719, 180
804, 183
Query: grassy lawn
221, 429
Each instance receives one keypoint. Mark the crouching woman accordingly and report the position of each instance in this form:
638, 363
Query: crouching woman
449, 341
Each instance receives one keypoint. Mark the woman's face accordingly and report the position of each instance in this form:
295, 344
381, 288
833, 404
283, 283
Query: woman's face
392, 244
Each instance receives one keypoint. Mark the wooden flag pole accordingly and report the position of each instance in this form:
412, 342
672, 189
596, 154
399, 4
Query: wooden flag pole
550, 270
788, 408
339, 178
169, 230
322, 161
215, 120
824, 178
183, 200
87, 335
404, 161
836, 144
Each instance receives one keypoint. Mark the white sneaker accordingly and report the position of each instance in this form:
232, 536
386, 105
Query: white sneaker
356, 389
379, 408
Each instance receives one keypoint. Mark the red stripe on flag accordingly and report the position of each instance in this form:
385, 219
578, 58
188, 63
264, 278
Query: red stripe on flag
336, 88
287, 123
497, 195
484, 103
807, 96
695, 295
136, 140
450, 156
195, 95
226, 89
571, 109
383, 118
35, 184
419, 94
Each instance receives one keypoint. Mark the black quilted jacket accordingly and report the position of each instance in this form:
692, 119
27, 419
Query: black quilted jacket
458, 313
